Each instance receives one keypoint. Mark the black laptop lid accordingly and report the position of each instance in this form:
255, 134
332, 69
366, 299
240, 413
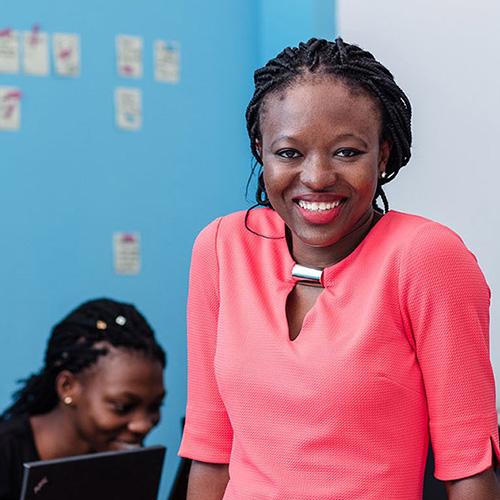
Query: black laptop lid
120, 475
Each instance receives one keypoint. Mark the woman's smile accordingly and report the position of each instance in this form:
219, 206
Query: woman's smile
323, 154
319, 212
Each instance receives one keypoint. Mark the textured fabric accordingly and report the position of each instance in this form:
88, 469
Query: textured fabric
17, 446
395, 345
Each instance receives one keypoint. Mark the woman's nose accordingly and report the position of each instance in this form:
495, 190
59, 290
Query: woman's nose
318, 173
141, 424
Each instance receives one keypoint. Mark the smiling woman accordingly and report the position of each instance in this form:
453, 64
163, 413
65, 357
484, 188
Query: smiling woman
101, 389
329, 339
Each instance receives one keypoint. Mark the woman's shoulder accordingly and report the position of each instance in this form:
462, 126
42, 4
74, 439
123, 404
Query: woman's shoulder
13, 429
417, 233
426, 244
246, 224
409, 224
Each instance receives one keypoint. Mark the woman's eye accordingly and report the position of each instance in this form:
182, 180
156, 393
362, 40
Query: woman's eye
121, 408
156, 407
288, 153
347, 152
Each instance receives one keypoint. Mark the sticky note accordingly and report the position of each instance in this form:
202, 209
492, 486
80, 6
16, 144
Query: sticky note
128, 108
66, 49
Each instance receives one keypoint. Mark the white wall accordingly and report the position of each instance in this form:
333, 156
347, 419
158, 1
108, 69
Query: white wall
446, 55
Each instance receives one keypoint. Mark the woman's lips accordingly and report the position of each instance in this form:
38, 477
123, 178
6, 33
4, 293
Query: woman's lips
319, 212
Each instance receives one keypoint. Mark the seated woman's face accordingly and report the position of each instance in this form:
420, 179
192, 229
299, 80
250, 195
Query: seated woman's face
117, 401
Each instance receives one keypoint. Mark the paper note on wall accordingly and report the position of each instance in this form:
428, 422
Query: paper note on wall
10, 108
127, 253
66, 48
9, 51
129, 56
167, 61
36, 52
128, 108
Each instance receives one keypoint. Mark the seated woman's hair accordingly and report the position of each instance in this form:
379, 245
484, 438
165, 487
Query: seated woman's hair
77, 342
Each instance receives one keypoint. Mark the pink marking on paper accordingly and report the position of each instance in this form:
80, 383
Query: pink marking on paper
65, 53
13, 95
6, 32
127, 69
128, 238
9, 110
35, 34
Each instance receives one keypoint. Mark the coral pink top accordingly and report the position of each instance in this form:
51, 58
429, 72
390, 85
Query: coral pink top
395, 346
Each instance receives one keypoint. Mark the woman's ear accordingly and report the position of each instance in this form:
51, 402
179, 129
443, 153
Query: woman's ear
384, 153
68, 388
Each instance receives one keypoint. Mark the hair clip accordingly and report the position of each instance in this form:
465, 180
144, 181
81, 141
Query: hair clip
120, 320
101, 325
60, 361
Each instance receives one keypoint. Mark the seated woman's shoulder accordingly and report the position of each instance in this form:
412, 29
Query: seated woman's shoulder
13, 428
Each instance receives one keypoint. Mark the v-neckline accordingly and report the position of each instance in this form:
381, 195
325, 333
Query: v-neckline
327, 279
312, 302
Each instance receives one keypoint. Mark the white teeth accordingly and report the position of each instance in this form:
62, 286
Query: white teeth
316, 207
128, 446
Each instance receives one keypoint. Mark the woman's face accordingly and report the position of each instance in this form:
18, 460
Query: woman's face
117, 401
322, 155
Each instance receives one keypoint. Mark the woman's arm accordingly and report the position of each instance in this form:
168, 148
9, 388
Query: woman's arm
482, 486
207, 481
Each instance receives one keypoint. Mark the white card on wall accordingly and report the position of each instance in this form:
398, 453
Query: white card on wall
10, 108
167, 58
9, 51
127, 253
129, 56
36, 53
66, 49
128, 108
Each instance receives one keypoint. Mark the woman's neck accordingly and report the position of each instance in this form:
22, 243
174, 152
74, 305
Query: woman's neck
55, 435
321, 257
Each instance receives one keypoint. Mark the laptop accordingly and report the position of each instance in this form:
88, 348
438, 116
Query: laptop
115, 475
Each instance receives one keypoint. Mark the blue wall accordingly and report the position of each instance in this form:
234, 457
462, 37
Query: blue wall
69, 178
285, 23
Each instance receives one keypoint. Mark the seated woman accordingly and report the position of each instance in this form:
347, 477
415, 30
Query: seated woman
100, 389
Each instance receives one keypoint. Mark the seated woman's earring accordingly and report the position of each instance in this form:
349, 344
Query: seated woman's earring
383, 175
68, 400
258, 149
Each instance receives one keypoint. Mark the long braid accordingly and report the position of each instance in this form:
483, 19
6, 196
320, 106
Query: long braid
77, 342
355, 67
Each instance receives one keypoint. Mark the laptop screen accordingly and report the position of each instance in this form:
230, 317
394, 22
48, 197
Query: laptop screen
120, 475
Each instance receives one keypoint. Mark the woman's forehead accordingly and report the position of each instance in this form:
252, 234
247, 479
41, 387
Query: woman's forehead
307, 102
121, 364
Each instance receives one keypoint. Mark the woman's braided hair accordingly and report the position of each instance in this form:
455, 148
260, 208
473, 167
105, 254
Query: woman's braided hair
77, 342
355, 67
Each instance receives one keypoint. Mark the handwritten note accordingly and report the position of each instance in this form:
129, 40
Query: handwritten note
129, 56
10, 108
167, 61
127, 253
9, 51
66, 48
128, 108
36, 52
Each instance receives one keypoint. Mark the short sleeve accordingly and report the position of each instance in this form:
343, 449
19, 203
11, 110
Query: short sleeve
207, 434
445, 302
